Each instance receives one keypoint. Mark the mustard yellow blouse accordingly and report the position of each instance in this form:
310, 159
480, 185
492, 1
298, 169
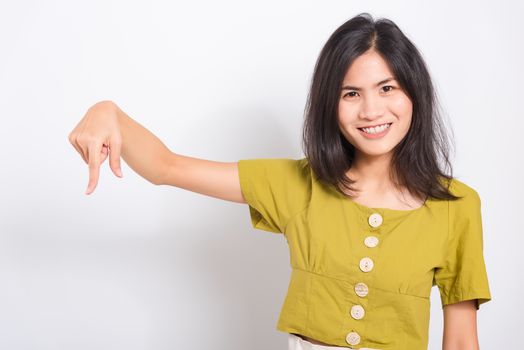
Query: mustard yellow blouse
361, 277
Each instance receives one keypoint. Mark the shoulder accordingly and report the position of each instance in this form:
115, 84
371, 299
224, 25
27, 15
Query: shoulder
469, 203
463, 190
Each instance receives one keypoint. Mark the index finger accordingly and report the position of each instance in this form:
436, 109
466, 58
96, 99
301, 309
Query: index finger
94, 167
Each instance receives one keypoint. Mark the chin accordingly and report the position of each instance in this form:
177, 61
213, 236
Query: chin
375, 152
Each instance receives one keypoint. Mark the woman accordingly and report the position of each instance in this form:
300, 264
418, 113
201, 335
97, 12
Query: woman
372, 220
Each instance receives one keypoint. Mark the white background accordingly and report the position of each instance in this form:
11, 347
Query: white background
138, 266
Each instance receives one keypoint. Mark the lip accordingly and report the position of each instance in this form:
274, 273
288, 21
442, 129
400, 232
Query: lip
376, 136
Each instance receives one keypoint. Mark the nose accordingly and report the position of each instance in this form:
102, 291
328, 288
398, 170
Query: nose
372, 108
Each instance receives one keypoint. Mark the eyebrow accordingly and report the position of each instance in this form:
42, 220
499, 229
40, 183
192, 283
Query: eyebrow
347, 87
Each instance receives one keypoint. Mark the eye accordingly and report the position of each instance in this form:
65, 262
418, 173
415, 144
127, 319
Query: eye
388, 86
350, 94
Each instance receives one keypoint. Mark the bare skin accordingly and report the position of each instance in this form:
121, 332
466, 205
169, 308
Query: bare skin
108, 132
370, 97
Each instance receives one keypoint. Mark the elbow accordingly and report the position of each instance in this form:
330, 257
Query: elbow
156, 182
162, 175
159, 179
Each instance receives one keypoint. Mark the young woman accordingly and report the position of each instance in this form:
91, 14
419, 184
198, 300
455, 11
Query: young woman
372, 219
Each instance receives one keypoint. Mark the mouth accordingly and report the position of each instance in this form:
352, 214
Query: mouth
376, 130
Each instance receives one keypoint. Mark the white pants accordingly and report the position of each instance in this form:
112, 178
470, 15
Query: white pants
297, 343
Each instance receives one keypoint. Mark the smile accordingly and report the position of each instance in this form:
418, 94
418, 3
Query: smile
376, 129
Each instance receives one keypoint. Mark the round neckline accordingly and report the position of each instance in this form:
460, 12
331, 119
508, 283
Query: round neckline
389, 210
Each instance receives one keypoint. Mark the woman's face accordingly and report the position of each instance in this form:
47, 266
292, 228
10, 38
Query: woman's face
372, 98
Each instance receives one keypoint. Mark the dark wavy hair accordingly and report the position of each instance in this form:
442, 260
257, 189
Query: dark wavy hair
416, 162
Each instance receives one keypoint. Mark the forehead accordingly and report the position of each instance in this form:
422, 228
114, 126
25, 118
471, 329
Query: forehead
367, 69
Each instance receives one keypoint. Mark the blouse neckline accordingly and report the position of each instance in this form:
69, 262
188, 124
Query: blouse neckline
389, 210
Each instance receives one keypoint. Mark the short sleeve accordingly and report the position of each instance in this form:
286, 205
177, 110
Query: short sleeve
275, 189
463, 274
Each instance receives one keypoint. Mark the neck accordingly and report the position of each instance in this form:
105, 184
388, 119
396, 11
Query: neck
372, 173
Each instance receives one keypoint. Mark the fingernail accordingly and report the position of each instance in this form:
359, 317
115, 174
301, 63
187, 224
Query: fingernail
119, 171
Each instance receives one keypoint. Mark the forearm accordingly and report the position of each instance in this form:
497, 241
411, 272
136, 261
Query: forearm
460, 326
142, 150
461, 343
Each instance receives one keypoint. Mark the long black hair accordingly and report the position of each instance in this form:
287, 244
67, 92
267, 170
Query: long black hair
416, 162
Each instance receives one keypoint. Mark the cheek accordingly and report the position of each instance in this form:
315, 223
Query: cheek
340, 111
402, 105
344, 113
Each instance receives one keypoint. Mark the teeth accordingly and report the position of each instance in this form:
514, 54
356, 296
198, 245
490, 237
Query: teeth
376, 129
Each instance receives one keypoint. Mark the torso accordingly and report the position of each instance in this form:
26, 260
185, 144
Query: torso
405, 202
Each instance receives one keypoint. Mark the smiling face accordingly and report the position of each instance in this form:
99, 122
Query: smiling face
371, 97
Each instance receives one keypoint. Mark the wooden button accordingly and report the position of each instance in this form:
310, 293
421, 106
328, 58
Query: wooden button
371, 241
353, 338
361, 289
357, 312
366, 264
375, 220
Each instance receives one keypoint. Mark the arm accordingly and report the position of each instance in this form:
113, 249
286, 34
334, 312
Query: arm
107, 131
215, 179
460, 326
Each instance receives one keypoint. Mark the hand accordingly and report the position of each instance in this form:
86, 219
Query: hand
96, 136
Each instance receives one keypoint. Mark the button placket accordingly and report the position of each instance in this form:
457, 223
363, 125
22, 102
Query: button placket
371, 241
366, 264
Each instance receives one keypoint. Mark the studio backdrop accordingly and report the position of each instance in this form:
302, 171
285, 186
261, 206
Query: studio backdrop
137, 266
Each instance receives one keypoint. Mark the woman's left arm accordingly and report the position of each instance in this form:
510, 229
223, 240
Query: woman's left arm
460, 326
